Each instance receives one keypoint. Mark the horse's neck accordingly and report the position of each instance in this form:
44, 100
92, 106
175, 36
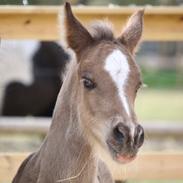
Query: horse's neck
66, 146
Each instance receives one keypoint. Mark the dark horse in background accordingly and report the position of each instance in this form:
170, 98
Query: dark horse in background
38, 99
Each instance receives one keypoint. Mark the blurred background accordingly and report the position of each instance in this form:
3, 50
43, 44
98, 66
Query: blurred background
28, 68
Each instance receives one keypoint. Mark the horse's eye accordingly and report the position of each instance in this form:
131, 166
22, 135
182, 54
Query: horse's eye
88, 83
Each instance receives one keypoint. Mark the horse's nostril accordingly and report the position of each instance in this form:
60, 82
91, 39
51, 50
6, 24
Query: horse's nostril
139, 137
118, 133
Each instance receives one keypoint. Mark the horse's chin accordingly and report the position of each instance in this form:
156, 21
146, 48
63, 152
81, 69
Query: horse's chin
110, 157
121, 157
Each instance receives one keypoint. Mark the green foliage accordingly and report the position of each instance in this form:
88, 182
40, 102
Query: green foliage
144, 2
11, 2
162, 78
45, 2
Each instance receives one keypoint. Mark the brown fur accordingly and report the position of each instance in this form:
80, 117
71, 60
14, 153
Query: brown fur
83, 119
133, 31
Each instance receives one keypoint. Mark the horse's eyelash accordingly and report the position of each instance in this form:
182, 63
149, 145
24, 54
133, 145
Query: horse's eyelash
86, 78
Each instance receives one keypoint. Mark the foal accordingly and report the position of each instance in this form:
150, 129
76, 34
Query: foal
94, 109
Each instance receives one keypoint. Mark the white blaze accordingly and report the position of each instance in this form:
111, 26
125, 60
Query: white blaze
117, 66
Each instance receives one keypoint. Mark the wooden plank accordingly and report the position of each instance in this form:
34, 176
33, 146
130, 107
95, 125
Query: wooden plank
26, 125
9, 163
153, 165
37, 125
29, 26
30, 22
8, 9
160, 129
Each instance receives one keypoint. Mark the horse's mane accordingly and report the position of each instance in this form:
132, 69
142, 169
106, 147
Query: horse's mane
101, 30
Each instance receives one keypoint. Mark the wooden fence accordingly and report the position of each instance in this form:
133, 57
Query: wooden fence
35, 125
151, 166
42, 23
20, 22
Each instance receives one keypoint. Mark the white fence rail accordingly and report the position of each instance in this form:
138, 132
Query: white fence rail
38, 125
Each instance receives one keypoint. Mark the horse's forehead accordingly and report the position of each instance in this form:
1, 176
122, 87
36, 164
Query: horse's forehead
117, 65
107, 57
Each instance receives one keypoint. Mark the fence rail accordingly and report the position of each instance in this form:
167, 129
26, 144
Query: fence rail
35, 22
165, 165
36, 125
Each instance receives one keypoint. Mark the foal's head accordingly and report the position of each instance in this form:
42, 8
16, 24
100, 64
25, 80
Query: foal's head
107, 83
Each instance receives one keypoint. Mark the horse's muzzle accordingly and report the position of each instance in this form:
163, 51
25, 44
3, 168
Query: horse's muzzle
122, 145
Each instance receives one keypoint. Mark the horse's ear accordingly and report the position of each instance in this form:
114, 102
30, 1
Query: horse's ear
132, 32
78, 38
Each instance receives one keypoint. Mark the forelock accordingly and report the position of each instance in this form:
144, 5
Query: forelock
101, 30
